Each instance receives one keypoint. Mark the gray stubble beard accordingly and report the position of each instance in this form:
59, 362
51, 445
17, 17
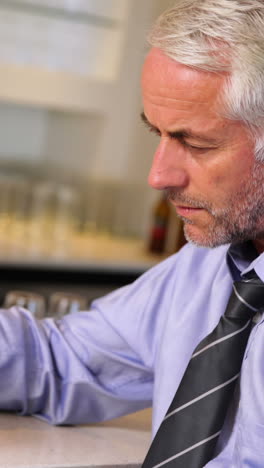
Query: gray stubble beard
241, 220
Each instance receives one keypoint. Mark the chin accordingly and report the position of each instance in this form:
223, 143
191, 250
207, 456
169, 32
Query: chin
204, 237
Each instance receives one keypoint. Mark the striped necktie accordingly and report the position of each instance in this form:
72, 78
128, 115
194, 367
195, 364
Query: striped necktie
188, 434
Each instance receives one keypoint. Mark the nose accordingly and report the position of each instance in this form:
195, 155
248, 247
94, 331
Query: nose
168, 167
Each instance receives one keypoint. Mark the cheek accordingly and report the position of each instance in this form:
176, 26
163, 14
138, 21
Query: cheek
231, 171
208, 177
224, 183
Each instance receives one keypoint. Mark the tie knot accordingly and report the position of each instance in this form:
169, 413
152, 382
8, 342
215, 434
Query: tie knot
247, 299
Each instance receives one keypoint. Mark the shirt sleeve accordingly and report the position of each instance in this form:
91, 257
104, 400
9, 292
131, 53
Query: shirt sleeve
89, 366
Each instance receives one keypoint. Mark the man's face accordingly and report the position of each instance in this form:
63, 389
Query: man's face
205, 162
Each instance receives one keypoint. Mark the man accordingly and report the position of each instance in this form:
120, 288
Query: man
203, 95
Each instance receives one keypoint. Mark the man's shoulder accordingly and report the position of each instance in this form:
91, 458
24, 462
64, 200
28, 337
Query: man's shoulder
189, 261
191, 255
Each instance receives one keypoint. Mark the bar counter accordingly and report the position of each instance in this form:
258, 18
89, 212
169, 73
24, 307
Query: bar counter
26, 442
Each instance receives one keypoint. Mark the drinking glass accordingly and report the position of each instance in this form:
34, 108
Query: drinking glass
5, 208
18, 211
53, 216
31, 301
62, 303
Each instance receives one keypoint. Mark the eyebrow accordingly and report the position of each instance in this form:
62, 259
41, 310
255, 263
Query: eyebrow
181, 133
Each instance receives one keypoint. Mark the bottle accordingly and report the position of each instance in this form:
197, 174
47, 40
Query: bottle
160, 224
181, 240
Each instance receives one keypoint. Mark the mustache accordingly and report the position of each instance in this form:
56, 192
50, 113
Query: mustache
176, 196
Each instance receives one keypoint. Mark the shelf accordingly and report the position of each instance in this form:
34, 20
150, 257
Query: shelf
80, 16
61, 54
93, 252
103, 12
57, 90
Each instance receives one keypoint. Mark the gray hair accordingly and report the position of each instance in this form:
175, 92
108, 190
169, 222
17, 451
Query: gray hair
221, 36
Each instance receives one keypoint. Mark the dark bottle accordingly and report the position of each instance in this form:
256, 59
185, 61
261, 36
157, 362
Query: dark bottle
181, 240
160, 224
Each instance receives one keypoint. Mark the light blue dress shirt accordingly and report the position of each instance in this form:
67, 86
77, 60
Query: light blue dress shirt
131, 350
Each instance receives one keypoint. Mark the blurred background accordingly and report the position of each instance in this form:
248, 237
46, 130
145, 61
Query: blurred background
75, 206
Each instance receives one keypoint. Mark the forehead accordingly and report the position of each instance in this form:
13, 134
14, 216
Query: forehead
167, 84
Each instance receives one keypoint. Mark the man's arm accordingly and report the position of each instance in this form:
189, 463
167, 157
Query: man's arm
87, 367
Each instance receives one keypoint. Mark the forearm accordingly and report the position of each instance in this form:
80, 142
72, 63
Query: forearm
44, 371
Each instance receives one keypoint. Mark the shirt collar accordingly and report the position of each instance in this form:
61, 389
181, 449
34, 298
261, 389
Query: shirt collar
242, 258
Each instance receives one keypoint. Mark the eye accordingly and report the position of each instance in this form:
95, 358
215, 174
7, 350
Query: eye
196, 148
182, 138
154, 130
151, 128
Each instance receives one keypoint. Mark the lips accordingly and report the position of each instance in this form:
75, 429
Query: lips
187, 210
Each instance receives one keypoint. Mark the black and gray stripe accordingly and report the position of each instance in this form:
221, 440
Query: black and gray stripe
190, 429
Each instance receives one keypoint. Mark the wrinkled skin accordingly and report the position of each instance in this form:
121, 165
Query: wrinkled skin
204, 161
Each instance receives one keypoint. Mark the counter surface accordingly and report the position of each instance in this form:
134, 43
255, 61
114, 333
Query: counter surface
26, 442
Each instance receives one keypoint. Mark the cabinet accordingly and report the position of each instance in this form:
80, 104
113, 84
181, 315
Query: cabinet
61, 54
70, 97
